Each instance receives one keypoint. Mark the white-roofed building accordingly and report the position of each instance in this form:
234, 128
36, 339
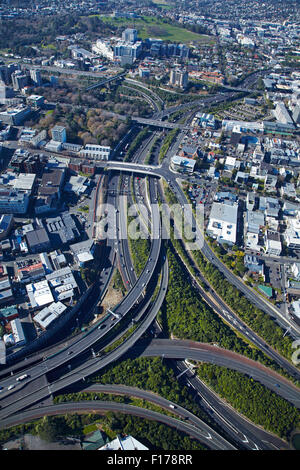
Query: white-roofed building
296, 308
230, 163
83, 251
39, 294
292, 233
295, 269
62, 283
46, 316
223, 222
25, 181
124, 443
17, 331
272, 243
181, 164
77, 184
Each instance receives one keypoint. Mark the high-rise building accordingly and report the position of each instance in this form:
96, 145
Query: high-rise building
59, 134
179, 78
19, 80
126, 50
6, 72
36, 78
129, 35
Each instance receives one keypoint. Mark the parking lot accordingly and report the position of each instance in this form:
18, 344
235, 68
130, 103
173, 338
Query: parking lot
273, 274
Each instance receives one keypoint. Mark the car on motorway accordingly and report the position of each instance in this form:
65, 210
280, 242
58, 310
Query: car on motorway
22, 377
10, 387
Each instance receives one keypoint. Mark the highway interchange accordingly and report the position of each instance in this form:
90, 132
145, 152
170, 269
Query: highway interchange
32, 393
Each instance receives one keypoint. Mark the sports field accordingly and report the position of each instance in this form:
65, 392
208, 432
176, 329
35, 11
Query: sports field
148, 26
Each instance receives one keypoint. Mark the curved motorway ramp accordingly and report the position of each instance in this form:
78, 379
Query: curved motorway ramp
209, 438
183, 349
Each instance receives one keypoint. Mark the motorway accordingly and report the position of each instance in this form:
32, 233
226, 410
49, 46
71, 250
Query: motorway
164, 172
31, 394
256, 438
177, 351
204, 433
245, 433
185, 349
98, 332
241, 430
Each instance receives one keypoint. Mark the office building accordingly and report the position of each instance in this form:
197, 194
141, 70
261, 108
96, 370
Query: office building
83, 251
15, 116
35, 101
62, 283
127, 51
29, 270
6, 224
17, 331
39, 294
292, 233
182, 165
296, 115
25, 162
62, 230
282, 115
52, 182
13, 202
95, 152
6, 94
59, 134
104, 49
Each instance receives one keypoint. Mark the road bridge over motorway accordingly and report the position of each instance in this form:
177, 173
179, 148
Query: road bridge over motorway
158, 123
185, 349
132, 167
105, 81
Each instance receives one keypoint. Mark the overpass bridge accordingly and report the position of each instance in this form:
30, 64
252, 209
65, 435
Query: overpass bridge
105, 81
132, 167
158, 123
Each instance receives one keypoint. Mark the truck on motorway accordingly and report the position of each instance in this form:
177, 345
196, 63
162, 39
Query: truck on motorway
22, 377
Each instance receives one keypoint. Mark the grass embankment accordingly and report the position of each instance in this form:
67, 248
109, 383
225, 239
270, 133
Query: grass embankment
139, 250
142, 135
252, 399
167, 144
